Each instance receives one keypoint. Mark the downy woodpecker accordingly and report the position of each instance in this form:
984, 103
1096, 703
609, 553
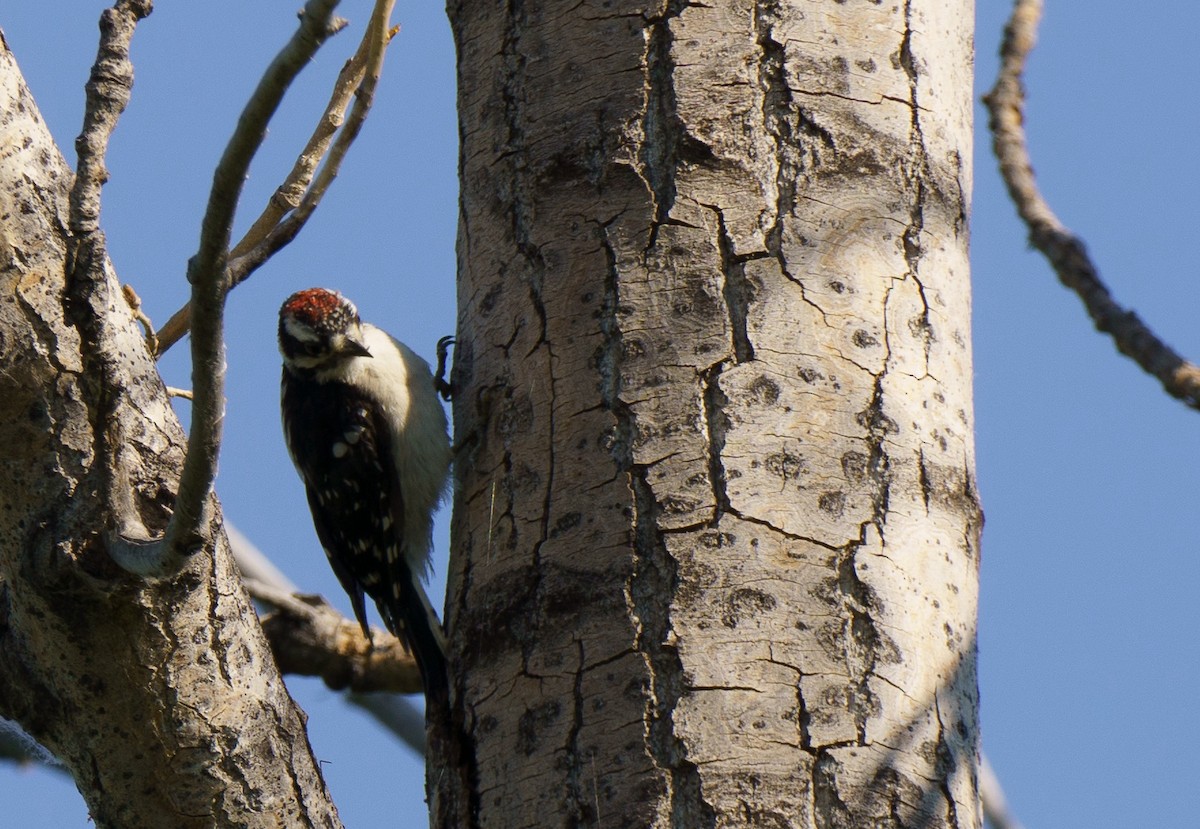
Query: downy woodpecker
367, 434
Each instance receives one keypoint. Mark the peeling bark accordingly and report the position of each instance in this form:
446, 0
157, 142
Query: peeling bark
716, 534
161, 697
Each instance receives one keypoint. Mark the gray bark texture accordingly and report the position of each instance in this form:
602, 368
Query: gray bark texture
160, 697
716, 529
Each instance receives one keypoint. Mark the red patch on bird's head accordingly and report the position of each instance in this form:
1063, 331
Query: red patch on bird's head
313, 305
316, 324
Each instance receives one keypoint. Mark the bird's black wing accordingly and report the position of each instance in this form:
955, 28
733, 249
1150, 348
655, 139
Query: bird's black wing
357, 505
403, 603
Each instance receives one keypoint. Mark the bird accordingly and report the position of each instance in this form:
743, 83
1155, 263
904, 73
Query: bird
368, 436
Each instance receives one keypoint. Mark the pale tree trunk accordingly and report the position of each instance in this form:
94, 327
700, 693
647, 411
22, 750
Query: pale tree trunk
716, 533
161, 698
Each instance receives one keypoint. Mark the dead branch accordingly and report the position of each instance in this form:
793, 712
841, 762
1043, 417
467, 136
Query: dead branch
294, 201
108, 90
1065, 251
310, 638
995, 804
189, 527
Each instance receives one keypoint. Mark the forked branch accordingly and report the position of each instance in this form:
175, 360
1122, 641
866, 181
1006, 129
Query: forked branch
1065, 251
294, 201
190, 526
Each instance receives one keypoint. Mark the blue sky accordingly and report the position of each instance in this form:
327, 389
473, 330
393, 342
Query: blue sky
1089, 473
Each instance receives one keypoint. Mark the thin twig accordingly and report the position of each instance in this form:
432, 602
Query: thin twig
377, 37
139, 314
1064, 250
288, 196
188, 529
294, 201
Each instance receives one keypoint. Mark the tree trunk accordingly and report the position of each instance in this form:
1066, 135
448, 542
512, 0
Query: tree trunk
161, 698
716, 533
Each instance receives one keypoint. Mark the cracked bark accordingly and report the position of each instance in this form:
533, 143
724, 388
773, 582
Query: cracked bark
160, 697
716, 534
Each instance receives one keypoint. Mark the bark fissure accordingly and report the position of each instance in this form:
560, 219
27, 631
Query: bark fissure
878, 428
716, 422
863, 639
829, 810
777, 109
803, 712
798, 139
945, 766
651, 591
516, 149
924, 480
662, 129
523, 218
83, 302
608, 363
735, 289
921, 185
580, 804
537, 565
651, 587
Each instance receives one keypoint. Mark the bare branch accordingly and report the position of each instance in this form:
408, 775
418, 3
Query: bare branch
377, 37
366, 62
310, 638
397, 715
995, 805
189, 528
18, 747
298, 195
78, 634
1064, 250
108, 90
89, 284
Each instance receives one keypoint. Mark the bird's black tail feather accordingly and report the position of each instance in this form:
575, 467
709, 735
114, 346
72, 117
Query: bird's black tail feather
420, 628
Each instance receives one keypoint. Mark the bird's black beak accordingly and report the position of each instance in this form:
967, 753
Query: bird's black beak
353, 348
